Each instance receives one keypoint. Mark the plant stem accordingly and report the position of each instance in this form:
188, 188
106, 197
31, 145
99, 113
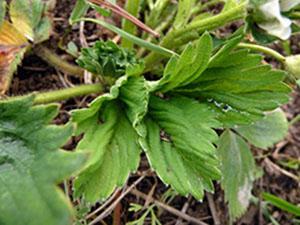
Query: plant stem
57, 62
59, 95
200, 7
64, 94
132, 6
177, 38
263, 49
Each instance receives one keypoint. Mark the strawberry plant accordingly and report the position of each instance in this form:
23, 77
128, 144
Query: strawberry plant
191, 102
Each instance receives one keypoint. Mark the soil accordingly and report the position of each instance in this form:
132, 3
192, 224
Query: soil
35, 75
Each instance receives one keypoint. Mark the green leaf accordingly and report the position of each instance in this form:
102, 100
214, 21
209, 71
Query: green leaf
138, 41
80, 9
185, 156
238, 168
266, 132
238, 86
31, 164
43, 30
107, 59
2, 11
282, 204
186, 68
183, 13
26, 15
113, 134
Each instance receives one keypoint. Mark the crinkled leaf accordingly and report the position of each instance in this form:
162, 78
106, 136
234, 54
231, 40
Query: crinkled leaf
112, 135
180, 144
238, 169
266, 132
31, 165
238, 86
107, 59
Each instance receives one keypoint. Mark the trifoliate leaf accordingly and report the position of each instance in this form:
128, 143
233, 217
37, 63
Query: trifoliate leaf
238, 169
238, 86
180, 144
113, 134
31, 165
107, 59
266, 132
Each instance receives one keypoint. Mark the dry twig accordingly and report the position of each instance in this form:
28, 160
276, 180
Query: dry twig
168, 208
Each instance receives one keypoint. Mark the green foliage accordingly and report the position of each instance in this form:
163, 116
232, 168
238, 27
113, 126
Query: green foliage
2, 10
238, 168
183, 13
133, 7
282, 204
185, 150
80, 9
111, 129
236, 85
141, 220
176, 130
31, 164
28, 17
266, 132
107, 59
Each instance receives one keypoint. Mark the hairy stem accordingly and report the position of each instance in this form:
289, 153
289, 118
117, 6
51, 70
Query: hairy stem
64, 94
59, 95
263, 49
57, 62
177, 38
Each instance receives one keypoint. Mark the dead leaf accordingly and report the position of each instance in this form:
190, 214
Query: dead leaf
11, 43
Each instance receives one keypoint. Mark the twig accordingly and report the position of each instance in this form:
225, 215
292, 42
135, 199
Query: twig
103, 205
117, 212
57, 62
184, 209
123, 13
168, 208
114, 204
213, 210
283, 171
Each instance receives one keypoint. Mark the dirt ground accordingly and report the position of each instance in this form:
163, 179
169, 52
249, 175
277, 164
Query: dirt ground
34, 75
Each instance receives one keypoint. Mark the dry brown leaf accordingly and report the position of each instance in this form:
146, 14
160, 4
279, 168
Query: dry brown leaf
11, 43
